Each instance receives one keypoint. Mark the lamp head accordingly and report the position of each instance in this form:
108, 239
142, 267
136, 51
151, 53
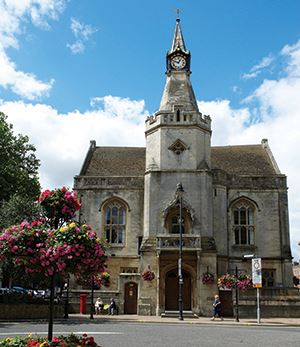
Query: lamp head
249, 256
179, 189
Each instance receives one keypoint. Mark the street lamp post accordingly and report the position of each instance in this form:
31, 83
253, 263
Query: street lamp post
236, 297
179, 192
66, 315
256, 279
92, 298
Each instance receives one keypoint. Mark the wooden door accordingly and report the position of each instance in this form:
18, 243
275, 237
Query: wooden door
171, 291
130, 303
226, 303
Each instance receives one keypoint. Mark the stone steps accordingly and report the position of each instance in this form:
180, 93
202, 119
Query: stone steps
174, 314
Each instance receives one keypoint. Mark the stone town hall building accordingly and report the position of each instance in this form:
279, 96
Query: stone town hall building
234, 203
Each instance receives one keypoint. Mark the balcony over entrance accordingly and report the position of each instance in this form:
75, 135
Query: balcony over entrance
171, 242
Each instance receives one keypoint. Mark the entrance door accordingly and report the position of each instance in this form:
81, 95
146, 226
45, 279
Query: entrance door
171, 291
226, 303
130, 304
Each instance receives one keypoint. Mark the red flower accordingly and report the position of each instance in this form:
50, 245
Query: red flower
148, 275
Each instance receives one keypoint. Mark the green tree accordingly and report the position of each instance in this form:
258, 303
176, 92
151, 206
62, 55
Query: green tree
17, 209
19, 183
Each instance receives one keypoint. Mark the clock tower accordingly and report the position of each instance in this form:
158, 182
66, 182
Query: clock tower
178, 144
178, 58
178, 150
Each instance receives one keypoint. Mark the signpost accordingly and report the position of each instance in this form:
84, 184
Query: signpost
257, 281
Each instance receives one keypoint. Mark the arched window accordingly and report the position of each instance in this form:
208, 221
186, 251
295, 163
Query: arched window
172, 221
115, 222
243, 223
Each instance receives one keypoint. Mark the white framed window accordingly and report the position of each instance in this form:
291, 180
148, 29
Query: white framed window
243, 223
115, 222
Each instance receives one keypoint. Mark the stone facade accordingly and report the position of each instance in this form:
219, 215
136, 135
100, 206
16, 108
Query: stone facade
234, 203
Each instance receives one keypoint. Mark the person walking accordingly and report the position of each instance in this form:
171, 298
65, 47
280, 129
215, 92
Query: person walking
217, 308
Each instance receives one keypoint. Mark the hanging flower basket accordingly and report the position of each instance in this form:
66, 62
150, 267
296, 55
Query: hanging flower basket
244, 282
59, 204
207, 278
148, 275
227, 281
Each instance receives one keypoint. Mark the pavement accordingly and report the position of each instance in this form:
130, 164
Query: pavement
201, 320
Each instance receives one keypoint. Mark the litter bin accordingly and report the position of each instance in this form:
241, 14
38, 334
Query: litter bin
83, 303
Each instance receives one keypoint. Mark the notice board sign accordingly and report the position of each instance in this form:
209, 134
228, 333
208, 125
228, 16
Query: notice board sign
256, 273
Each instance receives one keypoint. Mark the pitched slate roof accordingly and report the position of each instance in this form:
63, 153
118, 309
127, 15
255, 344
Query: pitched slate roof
115, 161
130, 161
244, 160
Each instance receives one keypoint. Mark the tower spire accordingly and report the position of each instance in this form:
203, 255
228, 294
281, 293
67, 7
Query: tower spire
178, 41
178, 93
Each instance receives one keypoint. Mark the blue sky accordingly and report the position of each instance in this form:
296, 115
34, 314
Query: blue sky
72, 71
125, 56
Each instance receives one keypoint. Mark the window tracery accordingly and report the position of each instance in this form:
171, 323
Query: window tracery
243, 223
115, 222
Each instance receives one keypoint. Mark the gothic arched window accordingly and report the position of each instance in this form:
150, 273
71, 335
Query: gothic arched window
172, 221
115, 222
243, 223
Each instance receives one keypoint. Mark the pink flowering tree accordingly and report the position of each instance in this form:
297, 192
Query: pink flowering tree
54, 245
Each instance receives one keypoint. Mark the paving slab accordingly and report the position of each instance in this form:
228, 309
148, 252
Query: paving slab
201, 320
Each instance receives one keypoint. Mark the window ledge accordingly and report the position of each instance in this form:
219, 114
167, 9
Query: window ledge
245, 247
116, 245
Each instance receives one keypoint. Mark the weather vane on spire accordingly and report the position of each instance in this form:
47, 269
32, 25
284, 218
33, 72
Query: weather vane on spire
177, 14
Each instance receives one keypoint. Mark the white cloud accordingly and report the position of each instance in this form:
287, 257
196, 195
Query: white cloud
24, 84
76, 47
62, 140
258, 68
123, 108
82, 33
14, 16
293, 54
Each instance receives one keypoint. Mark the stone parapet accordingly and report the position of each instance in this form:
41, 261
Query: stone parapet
248, 182
186, 118
94, 182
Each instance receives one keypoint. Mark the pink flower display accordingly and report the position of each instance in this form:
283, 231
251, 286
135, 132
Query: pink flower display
207, 278
148, 275
229, 281
59, 205
70, 249
54, 245
244, 282
57, 341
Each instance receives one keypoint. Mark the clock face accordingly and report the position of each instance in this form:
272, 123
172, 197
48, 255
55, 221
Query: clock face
178, 62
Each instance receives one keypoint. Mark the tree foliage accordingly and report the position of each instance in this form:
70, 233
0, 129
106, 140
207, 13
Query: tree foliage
19, 165
17, 209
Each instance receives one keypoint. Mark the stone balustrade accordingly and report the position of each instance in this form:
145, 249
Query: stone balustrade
171, 242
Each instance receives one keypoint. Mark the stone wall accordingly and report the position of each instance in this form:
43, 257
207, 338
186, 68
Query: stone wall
275, 302
28, 311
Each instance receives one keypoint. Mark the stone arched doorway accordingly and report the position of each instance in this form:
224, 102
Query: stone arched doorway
130, 298
171, 290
